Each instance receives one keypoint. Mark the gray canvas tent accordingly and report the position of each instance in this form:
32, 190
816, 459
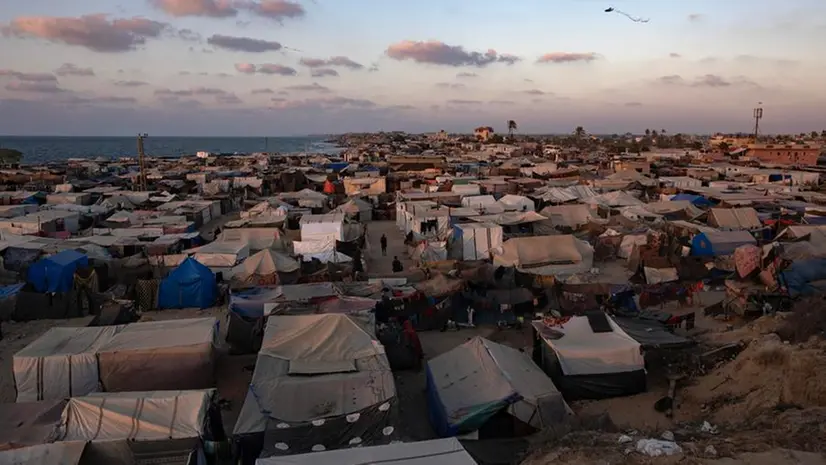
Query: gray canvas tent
320, 382
436, 452
471, 384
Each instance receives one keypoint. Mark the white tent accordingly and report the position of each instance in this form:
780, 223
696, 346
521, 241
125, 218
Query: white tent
474, 241
322, 227
60, 363
435, 452
517, 203
222, 254
263, 264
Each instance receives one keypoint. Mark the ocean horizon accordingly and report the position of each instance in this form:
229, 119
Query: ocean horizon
45, 149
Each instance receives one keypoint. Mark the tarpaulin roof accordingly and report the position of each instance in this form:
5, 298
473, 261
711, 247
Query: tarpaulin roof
56, 273
190, 285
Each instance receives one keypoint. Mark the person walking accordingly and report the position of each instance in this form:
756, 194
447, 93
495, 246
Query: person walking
383, 241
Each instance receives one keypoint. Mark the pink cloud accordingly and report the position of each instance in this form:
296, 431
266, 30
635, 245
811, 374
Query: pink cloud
439, 53
95, 32
210, 8
566, 57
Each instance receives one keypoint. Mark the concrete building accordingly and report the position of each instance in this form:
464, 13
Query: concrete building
793, 154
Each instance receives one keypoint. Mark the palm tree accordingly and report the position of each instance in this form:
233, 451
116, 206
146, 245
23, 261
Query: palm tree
823, 133
647, 132
579, 132
511, 128
654, 133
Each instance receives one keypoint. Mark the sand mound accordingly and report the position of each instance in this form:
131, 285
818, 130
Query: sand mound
767, 375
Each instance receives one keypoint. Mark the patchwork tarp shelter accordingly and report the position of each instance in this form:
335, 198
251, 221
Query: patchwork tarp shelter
718, 243
474, 241
56, 273
435, 452
61, 363
469, 385
546, 255
586, 364
160, 355
130, 427
321, 382
190, 285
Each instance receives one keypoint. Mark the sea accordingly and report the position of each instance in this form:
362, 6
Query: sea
53, 149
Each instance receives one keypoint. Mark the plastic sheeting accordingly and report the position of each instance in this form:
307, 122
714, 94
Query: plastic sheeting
56, 273
190, 285
476, 240
58, 453
806, 277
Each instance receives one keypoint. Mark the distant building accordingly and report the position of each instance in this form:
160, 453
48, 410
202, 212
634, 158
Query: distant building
483, 132
793, 154
441, 135
731, 141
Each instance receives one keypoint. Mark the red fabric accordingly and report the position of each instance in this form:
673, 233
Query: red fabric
414, 338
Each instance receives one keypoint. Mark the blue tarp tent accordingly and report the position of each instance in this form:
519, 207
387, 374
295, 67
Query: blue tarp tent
718, 243
696, 200
805, 277
56, 273
190, 285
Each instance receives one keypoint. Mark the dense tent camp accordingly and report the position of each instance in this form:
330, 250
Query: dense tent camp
320, 382
590, 357
56, 273
190, 285
435, 452
472, 386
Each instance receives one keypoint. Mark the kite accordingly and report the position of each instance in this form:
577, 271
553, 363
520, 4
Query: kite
632, 18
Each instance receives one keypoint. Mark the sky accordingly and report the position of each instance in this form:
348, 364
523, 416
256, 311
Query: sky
279, 67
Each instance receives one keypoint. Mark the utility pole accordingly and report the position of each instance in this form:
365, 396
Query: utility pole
758, 115
142, 176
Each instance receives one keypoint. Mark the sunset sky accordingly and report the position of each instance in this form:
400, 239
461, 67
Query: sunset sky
276, 67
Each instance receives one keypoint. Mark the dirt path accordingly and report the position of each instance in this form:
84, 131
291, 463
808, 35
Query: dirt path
382, 266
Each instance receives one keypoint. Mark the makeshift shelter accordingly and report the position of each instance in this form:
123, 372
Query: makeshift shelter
320, 382
266, 268
734, 219
517, 203
718, 243
568, 216
56, 273
589, 357
435, 452
164, 426
546, 255
190, 285
473, 384
474, 241
61, 363
696, 200
322, 228
222, 254
159, 355
357, 209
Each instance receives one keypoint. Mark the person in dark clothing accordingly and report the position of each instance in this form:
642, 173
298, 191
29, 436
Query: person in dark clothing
383, 310
383, 241
397, 265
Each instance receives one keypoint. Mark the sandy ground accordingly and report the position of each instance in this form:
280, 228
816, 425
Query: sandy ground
382, 266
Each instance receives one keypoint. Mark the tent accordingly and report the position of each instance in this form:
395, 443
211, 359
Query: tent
435, 452
696, 200
56, 273
320, 382
159, 355
161, 427
517, 203
470, 385
190, 285
474, 241
734, 219
264, 268
357, 209
546, 255
322, 227
715, 244
590, 361
222, 254
60, 363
